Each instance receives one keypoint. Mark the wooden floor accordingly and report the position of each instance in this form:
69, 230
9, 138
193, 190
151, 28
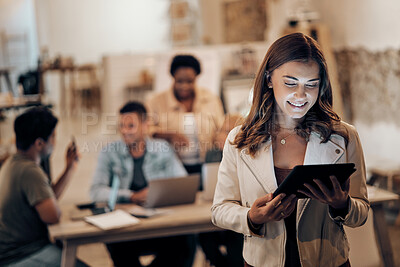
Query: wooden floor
92, 133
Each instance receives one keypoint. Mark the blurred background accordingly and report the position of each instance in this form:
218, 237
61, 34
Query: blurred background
85, 58
129, 44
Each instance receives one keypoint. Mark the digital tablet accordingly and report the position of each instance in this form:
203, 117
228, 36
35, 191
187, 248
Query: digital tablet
302, 174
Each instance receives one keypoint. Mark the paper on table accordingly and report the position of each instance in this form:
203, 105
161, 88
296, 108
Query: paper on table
112, 220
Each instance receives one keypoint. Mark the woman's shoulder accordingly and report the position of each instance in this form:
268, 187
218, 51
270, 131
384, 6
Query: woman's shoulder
232, 134
206, 94
343, 126
345, 132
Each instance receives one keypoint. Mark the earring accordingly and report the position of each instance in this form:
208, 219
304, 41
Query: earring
266, 79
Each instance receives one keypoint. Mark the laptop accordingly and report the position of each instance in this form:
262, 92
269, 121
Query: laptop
172, 191
209, 172
92, 208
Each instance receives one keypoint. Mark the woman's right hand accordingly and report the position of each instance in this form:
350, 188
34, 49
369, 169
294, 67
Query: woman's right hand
267, 208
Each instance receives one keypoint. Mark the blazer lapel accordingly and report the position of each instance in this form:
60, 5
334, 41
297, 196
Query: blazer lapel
325, 153
262, 167
320, 153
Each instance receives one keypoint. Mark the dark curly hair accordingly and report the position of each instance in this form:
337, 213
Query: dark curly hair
188, 61
36, 122
134, 107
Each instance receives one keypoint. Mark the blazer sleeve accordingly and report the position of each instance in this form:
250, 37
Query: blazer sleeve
227, 209
358, 204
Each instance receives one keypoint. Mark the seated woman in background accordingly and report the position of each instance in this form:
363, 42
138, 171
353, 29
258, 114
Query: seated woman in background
185, 115
291, 122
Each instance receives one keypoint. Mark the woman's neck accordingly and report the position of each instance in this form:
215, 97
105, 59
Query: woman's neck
287, 123
188, 104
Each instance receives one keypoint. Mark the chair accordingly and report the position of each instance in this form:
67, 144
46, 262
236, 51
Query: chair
363, 247
85, 88
209, 174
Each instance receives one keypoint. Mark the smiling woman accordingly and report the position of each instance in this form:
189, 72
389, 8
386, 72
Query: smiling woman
295, 85
291, 122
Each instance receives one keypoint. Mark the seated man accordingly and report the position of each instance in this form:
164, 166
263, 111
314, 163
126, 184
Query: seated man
27, 198
136, 159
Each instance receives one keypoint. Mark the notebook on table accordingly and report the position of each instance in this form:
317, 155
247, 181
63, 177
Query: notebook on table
112, 220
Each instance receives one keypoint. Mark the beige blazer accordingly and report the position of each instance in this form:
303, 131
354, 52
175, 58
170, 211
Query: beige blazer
321, 238
166, 114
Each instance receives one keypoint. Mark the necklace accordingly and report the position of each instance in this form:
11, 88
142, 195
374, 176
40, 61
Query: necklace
283, 140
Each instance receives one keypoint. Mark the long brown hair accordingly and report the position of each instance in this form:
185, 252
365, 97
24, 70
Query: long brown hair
260, 123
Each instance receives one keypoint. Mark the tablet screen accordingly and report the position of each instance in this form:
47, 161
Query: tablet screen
302, 174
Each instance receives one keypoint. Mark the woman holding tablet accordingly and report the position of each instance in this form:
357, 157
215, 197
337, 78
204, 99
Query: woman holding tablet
291, 122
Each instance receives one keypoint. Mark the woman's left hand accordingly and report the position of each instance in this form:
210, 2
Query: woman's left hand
337, 197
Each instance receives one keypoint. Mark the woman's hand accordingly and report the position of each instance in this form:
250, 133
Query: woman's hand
267, 208
337, 197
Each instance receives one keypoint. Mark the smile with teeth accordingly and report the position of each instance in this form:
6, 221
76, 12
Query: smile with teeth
299, 105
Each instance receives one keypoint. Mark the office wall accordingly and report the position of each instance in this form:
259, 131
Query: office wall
364, 38
16, 19
20, 50
86, 30
361, 23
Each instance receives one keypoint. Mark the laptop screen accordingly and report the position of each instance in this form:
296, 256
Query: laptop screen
112, 199
172, 191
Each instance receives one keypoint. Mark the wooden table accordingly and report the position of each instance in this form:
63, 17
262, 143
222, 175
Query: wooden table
377, 198
187, 219
182, 219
